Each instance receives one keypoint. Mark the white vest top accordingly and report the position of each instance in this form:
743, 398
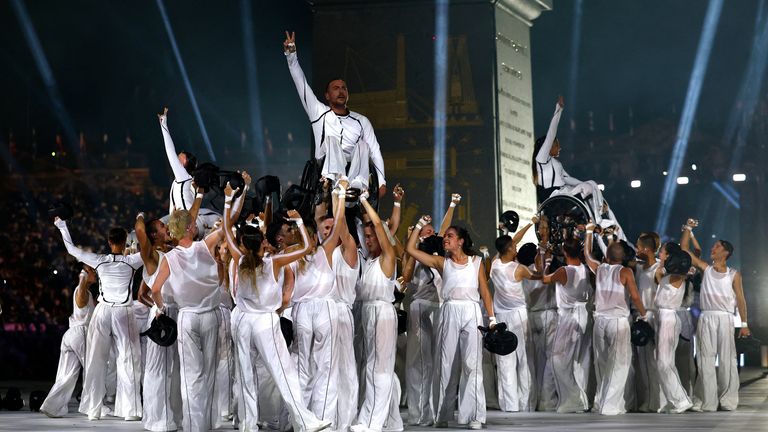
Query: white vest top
669, 297
266, 295
646, 283
316, 280
508, 293
610, 294
717, 290
150, 280
346, 277
576, 290
116, 277
460, 281
426, 281
374, 285
81, 316
538, 296
194, 278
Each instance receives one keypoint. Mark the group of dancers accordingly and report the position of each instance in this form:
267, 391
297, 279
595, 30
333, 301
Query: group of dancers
227, 281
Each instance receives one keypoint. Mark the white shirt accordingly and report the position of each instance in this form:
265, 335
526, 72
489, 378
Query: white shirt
575, 290
263, 296
508, 292
194, 277
646, 283
550, 171
717, 290
426, 282
81, 316
460, 281
668, 296
610, 294
349, 130
346, 277
316, 280
538, 296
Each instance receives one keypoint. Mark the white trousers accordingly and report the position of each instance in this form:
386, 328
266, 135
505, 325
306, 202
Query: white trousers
71, 359
162, 383
715, 340
198, 346
112, 323
360, 360
570, 352
647, 387
684, 361
543, 325
381, 401
420, 360
613, 352
223, 400
667, 336
513, 371
335, 164
260, 333
315, 333
347, 371
460, 363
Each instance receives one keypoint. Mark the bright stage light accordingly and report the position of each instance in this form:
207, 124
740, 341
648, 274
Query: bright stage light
739, 177
682, 180
694, 167
441, 97
635, 184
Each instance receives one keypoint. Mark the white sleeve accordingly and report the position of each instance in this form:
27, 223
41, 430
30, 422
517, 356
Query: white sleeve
180, 173
543, 155
135, 261
89, 258
309, 101
374, 149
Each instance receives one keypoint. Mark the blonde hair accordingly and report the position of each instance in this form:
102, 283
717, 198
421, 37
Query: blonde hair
178, 223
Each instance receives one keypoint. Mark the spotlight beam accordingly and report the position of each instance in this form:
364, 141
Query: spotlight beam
734, 200
254, 98
573, 73
185, 77
689, 113
441, 91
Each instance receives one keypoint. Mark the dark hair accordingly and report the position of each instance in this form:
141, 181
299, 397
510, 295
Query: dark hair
536, 147
647, 240
464, 235
273, 229
629, 253
251, 238
678, 263
671, 247
117, 236
503, 243
328, 83
191, 164
728, 246
151, 229
615, 252
432, 245
572, 248
527, 254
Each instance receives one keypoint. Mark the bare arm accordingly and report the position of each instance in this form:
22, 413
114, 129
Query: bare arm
145, 295
81, 292
591, 262
148, 253
330, 243
234, 248
289, 281
394, 220
195, 209
521, 233
163, 271
348, 246
628, 280
685, 244
448, 218
560, 276
412, 249
279, 261
389, 258
741, 304
485, 292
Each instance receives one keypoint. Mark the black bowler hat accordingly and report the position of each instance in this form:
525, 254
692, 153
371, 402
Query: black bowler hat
162, 331
499, 340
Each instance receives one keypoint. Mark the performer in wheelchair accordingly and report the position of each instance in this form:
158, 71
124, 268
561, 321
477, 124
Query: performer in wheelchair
552, 179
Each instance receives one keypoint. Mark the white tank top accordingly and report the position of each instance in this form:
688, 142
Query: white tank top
426, 281
610, 294
374, 285
316, 280
346, 277
194, 278
668, 296
81, 316
538, 296
646, 283
266, 295
226, 297
576, 289
150, 280
508, 293
717, 290
116, 277
460, 280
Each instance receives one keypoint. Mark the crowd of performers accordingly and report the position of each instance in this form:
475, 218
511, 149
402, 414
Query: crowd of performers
232, 282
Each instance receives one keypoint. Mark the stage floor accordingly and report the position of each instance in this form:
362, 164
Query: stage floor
752, 415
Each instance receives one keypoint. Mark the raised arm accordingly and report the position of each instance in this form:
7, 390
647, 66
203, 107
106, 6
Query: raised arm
309, 101
741, 305
591, 262
330, 243
388, 261
348, 245
394, 220
559, 276
543, 155
148, 253
89, 258
412, 249
627, 277
87, 277
448, 218
279, 261
180, 173
521, 232
234, 248
685, 244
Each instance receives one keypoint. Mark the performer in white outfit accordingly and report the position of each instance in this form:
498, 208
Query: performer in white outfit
112, 320
72, 357
189, 273
647, 387
669, 297
571, 348
611, 338
344, 138
721, 294
381, 395
516, 388
464, 285
258, 294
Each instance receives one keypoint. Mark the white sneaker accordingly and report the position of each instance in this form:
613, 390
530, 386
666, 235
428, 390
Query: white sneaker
132, 418
324, 424
94, 417
681, 409
49, 414
475, 425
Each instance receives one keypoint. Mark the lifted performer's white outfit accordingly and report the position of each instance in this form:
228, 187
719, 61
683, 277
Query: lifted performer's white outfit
258, 329
340, 139
715, 339
668, 301
162, 379
420, 351
381, 398
71, 359
459, 361
571, 348
647, 387
112, 319
515, 380
613, 351
194, 284
346, 279
315, 319
542, 320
